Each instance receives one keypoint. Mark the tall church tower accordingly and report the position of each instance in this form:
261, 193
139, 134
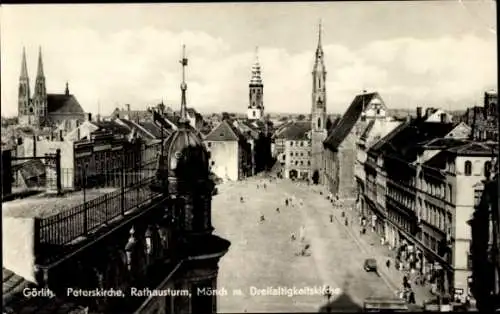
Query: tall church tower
40, 94
318, 112
256, 92
25, 110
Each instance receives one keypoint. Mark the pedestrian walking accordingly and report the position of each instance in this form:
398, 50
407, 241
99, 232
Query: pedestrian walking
265, 186
293, 237
346, 222
241, 199
286, 202
278, 210
262, 218
331, 217
388, 263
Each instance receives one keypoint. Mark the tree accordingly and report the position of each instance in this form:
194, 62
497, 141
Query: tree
301, 117
225, 116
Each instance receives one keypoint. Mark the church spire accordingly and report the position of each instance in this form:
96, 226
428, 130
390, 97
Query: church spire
40, 63
184, 63
24, 67
319, 49
256, 72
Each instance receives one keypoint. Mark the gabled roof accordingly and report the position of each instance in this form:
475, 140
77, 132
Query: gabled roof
295, 131
349, 119
223, 132
62, 103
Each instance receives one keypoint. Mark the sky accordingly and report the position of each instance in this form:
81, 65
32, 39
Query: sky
430, 53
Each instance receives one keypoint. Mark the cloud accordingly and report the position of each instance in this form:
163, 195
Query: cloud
141, 67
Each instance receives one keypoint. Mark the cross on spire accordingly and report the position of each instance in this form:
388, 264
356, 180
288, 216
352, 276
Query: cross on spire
184, 63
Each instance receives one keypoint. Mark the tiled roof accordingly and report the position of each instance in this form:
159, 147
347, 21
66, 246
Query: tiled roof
443, 143
295, 131
405, 140
62, 103
223, 132
30, 169
154, 129
112, 126
475, 149
367, 130
437, 161
348, 120
133, 114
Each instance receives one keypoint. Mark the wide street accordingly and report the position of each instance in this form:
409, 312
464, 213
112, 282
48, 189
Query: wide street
263, 255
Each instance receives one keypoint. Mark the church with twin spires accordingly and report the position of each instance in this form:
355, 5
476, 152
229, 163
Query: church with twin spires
46, 110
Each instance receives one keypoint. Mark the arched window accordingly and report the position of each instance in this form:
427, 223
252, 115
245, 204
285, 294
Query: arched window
468, 168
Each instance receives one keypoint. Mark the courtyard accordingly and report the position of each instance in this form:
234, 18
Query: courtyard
263, 255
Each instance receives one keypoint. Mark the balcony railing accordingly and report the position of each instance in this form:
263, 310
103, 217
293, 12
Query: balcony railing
81, 220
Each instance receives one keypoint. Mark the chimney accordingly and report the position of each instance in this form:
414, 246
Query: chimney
89, 116
428, 112
34, 145
78, 134
77, 123
67, 89
419, 112
443, 118
61, 135
128, 111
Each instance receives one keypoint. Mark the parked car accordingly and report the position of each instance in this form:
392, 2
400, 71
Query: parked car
370, 264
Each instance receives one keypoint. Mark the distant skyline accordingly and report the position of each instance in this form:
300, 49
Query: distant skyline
430, 53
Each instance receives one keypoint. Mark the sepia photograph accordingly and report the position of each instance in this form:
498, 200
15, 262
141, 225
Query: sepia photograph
250, 157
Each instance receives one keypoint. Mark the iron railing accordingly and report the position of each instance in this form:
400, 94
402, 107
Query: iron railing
62, 228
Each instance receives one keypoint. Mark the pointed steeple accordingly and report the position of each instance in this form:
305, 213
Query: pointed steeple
256, 72
319, 49
24, 67
67, 89
39, 72
184, 63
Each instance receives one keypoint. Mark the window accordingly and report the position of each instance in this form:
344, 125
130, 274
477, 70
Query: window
378, 111
309, 153
308, 163
31, 109
477, 197
301, 144
319, 123
212, 163
450, 193
296, 162
301, 154
209, 144
301, 163
468, 168
253, 112
487, 169
291, 154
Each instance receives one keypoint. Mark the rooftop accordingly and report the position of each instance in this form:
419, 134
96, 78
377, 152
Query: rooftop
349, 119
295, 131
